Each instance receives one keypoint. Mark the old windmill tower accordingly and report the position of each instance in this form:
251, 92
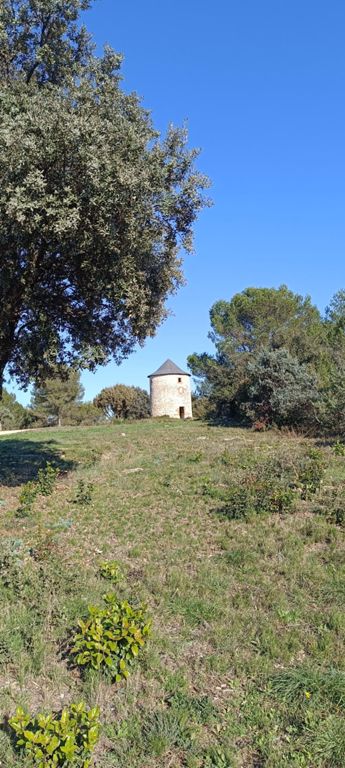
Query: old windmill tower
170, 392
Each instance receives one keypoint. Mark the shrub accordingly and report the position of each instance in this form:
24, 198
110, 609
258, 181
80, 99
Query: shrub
339, 448
11, 565
111, 638
44, 486
46, 479
244, 501
310, 473
26, 498
280, 390
332, 505
84, 493
111, 570
62, 740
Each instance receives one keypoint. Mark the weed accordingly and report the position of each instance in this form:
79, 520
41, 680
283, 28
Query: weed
200, 709
339, 448
44, 486
46, 479
303, 682
311, 472
84, 493
111, 570
112, 637
216, 758
62, 740
329, 742
27, 497
165, 729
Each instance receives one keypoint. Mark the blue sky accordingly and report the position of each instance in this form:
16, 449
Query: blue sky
261, 86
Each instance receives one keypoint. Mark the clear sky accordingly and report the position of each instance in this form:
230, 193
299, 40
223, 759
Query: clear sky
261, 85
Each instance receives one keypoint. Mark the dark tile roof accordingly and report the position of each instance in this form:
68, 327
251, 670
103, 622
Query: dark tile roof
167, 369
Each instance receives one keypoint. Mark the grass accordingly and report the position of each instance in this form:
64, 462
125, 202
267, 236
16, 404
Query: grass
245, 666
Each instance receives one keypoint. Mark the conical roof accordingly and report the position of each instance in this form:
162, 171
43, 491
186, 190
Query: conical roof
167, 369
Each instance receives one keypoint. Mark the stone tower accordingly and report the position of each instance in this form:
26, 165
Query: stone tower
170, 392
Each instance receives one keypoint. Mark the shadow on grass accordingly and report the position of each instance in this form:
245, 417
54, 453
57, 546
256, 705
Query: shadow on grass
20, 460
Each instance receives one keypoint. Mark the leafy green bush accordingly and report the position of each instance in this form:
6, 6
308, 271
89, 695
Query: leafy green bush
244, 501
332, 505
52, 741
311, 472
111, 638
46, 479
84, 493
111, 570
44, 486
339, 448
27, 497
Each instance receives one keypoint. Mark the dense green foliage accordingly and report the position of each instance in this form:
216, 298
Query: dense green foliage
54, 398
44, 486
111, 638
64, 741
280, 390
94, 206
277, 362
13, 415
111, 570
123, 402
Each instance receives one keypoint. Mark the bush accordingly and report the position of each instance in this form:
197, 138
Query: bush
111, 570
339, 448
44, 485
46, 479
280, 390
62, 740
332, 505
111, 638
310, 473
123, 402
258, 498
84, 493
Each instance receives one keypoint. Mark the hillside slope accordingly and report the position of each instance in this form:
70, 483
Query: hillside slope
240, 558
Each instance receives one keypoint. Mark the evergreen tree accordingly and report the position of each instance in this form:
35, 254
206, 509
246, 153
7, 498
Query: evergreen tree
54, 397
280, 390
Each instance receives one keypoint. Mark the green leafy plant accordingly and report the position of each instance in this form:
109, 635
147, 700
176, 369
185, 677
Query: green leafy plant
111, 570
339, 448
12, 565
65, 740
27, 497
84, 493
244, 501
310, 473
111, 637
44, 486
332, 505
46, 479
216, 758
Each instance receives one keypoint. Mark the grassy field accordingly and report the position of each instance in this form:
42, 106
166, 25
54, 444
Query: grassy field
245, 665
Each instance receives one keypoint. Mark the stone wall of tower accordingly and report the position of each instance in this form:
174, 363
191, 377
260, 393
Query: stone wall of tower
168, 394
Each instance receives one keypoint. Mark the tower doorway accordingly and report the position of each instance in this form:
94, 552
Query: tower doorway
181, 412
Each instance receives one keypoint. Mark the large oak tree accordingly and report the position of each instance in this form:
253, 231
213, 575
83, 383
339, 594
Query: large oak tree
94, 205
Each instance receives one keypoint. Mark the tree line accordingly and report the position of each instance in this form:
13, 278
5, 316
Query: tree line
277, 361
58, 401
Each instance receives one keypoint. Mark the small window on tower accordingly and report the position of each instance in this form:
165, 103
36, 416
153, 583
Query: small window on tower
179, 379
